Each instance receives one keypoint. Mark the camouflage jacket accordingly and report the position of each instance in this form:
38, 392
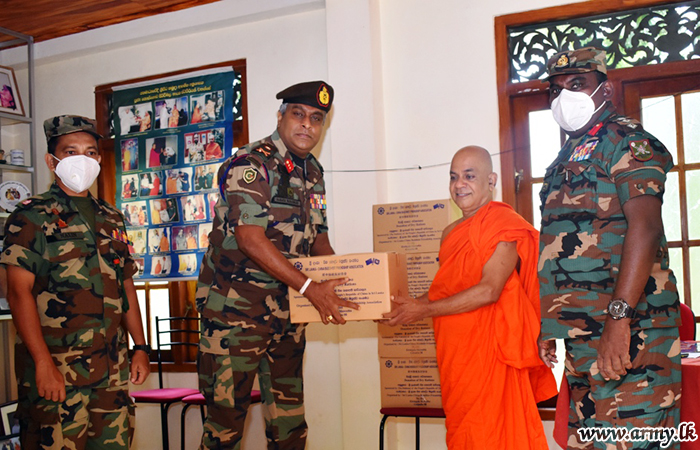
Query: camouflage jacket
584, 227
78, 286
259, 185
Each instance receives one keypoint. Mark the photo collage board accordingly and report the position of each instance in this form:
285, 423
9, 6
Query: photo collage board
170, 140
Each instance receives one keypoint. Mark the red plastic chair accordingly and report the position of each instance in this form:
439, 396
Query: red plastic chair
687, 328
198, 400
166, 397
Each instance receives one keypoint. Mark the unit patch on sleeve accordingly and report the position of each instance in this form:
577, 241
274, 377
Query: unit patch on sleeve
249, 175
641, 150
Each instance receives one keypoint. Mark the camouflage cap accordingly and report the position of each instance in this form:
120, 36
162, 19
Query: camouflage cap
318, 94
62, 125
582, 60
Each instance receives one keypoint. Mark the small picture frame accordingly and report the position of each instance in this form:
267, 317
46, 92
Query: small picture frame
10, 442
7, 415
4, 305
4, 308
10, 100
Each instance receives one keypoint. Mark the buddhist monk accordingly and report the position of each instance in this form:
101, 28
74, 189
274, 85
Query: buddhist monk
484, 302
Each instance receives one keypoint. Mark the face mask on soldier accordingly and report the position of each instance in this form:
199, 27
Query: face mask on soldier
573, 110
77, 172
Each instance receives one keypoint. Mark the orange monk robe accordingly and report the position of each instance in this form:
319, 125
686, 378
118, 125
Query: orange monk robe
213, 151
155, 216
170, 185
490, 372
145, 123
174, 118
164, 244
196, 115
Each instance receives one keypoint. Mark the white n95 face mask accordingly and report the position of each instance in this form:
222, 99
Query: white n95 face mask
573, 110
77, 172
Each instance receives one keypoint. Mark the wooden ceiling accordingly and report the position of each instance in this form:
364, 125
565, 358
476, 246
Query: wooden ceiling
48, 19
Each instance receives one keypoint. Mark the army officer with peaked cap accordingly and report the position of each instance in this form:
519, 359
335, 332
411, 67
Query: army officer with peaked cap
272, 208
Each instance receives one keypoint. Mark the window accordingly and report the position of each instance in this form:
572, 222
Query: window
154, 301
157, 300
655, 54
670, 110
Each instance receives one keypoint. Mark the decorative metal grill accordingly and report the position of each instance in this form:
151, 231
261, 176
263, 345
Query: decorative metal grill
237, 97
637, 37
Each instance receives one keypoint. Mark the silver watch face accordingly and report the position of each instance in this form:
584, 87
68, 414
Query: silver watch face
617, 308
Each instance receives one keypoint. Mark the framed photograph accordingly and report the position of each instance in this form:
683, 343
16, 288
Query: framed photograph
135, 118
9, 424
10, 443
4, 308
4, 305
10, 101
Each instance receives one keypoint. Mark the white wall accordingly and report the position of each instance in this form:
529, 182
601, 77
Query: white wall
414, 82
432, 91
280, 51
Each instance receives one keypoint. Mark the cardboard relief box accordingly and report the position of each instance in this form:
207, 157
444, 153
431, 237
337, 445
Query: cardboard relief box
415, 339
412, 227
410, 383
373, 279
421, 268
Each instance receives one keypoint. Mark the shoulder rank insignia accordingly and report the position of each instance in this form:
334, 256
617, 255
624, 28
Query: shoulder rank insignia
627, 122
641, 150
249, 175
264, 149
289, 165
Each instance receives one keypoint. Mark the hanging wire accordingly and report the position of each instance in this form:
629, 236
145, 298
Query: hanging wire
665, 98
395, 169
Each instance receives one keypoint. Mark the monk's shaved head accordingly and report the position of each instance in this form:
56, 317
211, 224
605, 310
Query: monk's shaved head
472, 179
481, 156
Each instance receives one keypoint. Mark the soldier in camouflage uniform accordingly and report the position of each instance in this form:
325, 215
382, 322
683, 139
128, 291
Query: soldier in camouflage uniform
73, 300
272, 207
605, 281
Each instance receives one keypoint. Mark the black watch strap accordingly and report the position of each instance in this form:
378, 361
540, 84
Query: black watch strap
144, 347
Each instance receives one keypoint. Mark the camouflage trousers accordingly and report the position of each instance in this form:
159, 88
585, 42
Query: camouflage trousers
89, 419
648, 396
228, 361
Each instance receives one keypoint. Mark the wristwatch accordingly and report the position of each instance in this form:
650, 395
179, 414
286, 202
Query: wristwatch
619, 309
144, 347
